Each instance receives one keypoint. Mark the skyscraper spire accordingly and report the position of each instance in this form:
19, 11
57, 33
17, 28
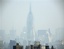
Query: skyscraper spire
30, 9
30, 25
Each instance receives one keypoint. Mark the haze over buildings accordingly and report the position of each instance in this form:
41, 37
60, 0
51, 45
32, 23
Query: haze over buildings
21, 20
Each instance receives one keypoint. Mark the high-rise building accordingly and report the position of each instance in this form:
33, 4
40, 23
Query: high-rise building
12, 43
42, 36
2, 34
59, 34
30, 26
12, 34
1, 44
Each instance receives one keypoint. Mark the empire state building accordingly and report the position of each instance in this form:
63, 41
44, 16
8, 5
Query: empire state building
30, 26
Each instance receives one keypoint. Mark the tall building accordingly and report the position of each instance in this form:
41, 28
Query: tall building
2, 34
59, 34
12, 43
1, 44
42, 36
12, 34
30, 26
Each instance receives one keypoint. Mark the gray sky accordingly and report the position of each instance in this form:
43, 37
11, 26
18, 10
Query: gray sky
46, 14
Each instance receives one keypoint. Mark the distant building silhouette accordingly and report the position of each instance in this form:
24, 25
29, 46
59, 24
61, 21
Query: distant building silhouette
1, 44
52, 47
59, 34
2, 34
42, 36
12, 43
12, 34
59, 44
30, 26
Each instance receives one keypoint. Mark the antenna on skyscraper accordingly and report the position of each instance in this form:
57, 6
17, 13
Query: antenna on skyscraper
30, 6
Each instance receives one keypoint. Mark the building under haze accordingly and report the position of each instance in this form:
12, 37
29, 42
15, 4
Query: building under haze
59, 34
12, 43
12, 34
2, 34
42, 36
1, 44
30, 26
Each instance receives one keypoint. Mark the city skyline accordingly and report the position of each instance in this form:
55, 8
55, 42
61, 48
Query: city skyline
27, 24
46, 14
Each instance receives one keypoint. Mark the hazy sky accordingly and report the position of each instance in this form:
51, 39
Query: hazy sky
46, 14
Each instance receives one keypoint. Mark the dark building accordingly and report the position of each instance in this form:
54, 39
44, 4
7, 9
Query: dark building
32, 46
46, 46
52, 47
17, 46
14, 47
27, 47
21, 47
12, 43
37, 47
